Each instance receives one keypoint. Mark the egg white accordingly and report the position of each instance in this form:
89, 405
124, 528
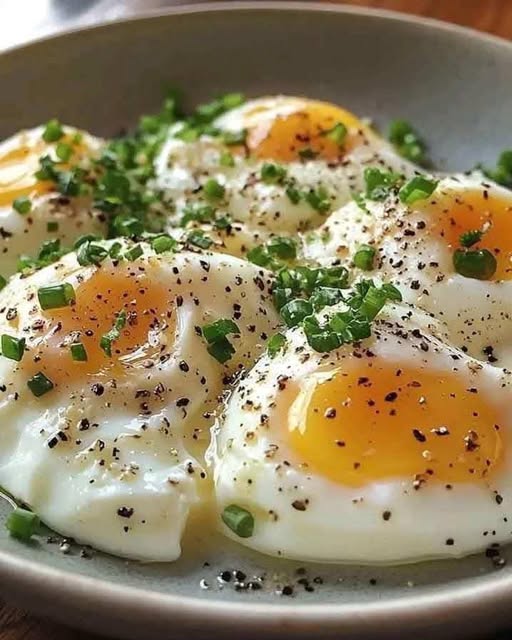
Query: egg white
304, 515
126, 482
22, 234
477, 312
260, 210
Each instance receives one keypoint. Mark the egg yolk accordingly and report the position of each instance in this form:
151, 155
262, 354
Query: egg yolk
378, 422
481, 211
302, 133
147, 334
19, 164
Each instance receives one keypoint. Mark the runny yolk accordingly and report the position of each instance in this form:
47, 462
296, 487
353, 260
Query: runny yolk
148, 332
302, 133
19, 164
372, 423
479, 210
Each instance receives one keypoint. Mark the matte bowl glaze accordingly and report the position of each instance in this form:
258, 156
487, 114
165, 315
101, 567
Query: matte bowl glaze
456, 86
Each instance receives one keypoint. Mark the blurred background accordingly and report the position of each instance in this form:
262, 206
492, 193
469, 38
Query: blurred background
21, 20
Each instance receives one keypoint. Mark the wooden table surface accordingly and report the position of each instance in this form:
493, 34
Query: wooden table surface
493, 16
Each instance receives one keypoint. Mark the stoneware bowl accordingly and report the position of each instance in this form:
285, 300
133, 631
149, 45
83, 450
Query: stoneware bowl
456, 86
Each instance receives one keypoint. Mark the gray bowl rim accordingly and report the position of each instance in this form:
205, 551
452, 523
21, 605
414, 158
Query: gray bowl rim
481, 598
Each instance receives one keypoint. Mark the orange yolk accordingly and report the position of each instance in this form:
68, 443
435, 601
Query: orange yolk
99, 299
19, 164
477, 211
377, 422
284, 137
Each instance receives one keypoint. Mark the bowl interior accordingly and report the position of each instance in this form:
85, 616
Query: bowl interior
455, 87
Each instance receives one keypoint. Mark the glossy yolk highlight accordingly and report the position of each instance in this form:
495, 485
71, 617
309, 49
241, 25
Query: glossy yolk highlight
148, 332
283, 137
377, 422
478, 210
19, 163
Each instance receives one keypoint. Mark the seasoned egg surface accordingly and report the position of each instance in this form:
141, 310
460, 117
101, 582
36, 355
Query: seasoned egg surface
106, 378
277, 166
421, 248
392, 450
30, 209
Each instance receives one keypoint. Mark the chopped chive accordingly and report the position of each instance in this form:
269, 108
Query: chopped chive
502, 174
219, 329
90, 253
56, 296
129, 227
63, 151
364, 257
337, 134
259, 256
88, 237
359, 199
226, 159
13, 348
52, 226
213, 190
418, 188
39, 384
284, 248
272, 173
22, 205
199, 239
232, 138
114, 334
276, 344
324, 341
294, 195
163, 243
318, 199
53, 131
479, 264
379, 183
372, 303
115, 251
222, 222
78, 352
46, 169
22, 523
134, 253
3, 282
197, 213
295, 311
469, 238
215, 335
407, 141
222, 350
239, 520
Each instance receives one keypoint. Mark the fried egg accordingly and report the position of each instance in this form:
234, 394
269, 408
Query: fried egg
316, 152
51, 215
106, 378
415, 247
392, 450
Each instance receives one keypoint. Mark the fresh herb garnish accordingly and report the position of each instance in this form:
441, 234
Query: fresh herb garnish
114, 334
417, 188
479, 264
39, 384
13, 348
216, 334
407, 142
56, 296
239, 520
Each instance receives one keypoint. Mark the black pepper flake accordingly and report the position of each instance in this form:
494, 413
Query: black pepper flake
391, 396
98, 389
450, 542
299, 505
419, 436
125, 512
386, 515
287, 590
182, 402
